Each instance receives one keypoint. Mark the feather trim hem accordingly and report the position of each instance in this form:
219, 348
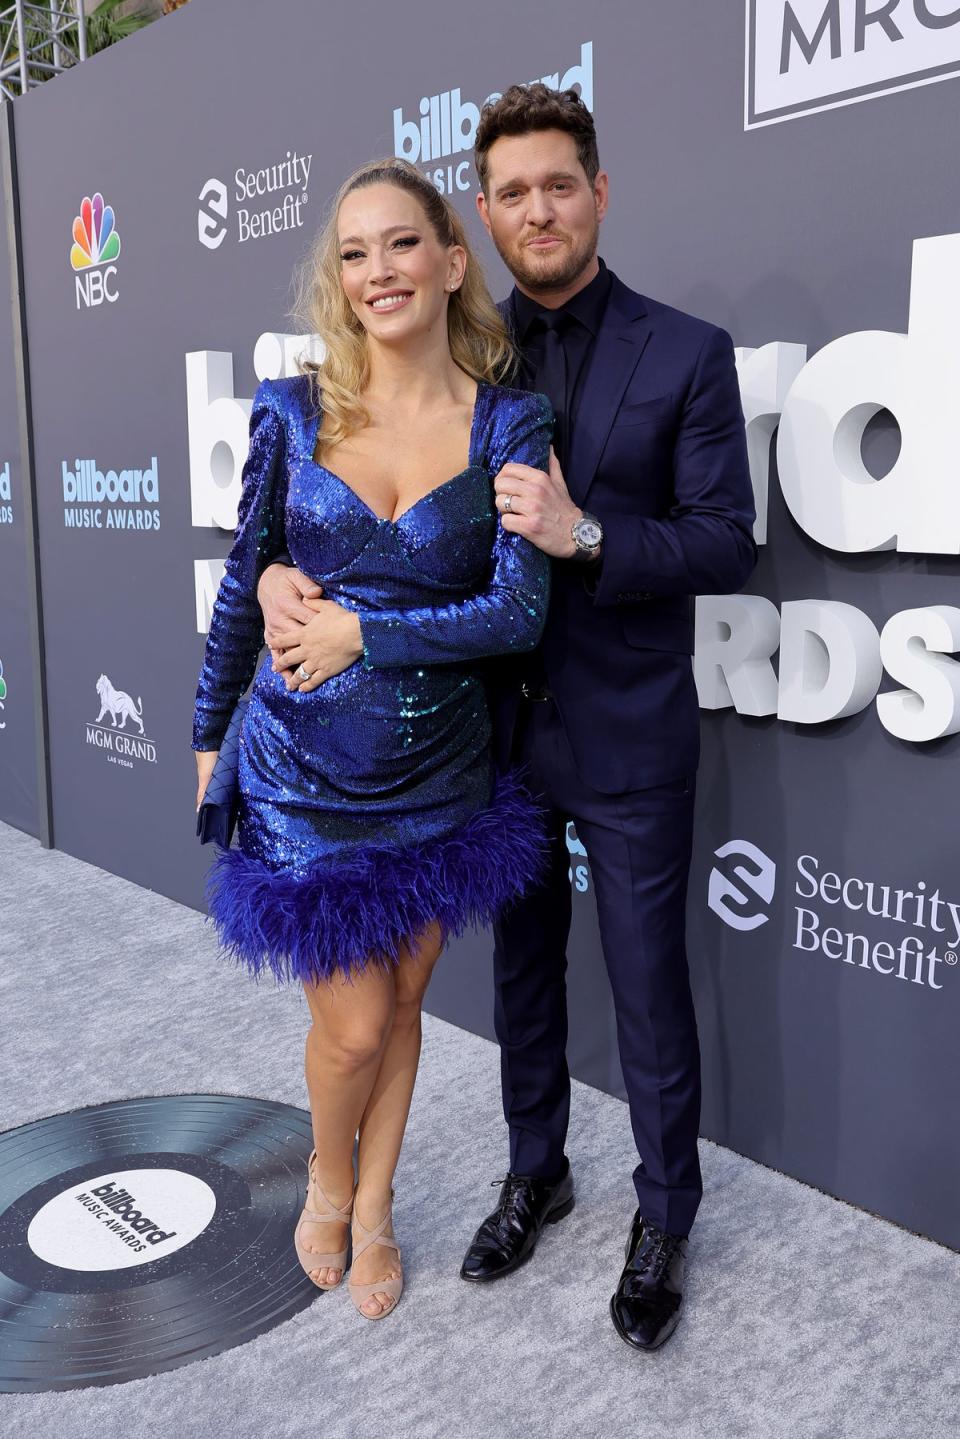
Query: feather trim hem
345, 916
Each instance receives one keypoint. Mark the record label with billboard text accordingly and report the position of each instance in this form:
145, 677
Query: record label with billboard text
143, 1234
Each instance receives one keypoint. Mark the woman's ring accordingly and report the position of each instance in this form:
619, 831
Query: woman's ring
507, 504
304, 674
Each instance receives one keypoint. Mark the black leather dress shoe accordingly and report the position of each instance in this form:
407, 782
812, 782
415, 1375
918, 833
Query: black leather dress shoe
507, 1237
646, 1307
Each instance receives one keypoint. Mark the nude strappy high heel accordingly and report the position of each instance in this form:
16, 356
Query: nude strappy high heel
362, 1240
313, 1214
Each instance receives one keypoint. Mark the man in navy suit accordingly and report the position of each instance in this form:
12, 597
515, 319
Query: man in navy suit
647, 503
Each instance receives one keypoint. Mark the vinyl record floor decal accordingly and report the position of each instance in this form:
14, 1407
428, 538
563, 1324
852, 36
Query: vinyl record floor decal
143, 1234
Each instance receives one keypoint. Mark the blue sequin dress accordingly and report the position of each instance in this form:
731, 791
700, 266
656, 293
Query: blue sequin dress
369, 806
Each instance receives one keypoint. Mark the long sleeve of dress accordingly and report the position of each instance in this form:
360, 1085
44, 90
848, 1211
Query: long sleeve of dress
235, 637
508, 615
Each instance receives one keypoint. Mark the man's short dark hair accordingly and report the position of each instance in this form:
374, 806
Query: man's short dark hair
525, 109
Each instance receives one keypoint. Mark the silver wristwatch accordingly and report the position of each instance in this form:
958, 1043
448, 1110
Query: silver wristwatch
587, 536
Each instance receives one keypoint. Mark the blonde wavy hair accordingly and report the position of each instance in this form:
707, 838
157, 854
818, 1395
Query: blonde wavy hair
478, 338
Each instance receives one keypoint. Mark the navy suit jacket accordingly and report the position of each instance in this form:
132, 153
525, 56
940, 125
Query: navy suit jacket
658, 453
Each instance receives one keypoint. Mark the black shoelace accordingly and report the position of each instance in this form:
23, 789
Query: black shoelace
514, 1184
656, 1255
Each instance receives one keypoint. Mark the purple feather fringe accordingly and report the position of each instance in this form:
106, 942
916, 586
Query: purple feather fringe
344, 916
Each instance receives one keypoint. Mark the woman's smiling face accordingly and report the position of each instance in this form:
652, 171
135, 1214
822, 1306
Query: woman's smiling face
396, 274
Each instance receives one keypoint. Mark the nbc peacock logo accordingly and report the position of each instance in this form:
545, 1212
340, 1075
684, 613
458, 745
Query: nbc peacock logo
96, 245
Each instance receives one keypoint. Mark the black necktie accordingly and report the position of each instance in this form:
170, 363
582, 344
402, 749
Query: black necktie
551, 376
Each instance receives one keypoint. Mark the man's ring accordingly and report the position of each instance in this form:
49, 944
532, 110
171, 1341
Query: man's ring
304, 674
507, 504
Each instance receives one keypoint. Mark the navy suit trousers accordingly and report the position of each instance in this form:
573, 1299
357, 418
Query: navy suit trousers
639, 847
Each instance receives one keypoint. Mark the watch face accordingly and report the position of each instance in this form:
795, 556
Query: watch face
588, 534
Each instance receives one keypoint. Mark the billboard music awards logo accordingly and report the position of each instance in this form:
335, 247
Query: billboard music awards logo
834, 913
122, 1220
118, 1249
812, 414
809, 55
257, 215
446, 125
6, 507
579, 871
96, 245
121, 746
111, 500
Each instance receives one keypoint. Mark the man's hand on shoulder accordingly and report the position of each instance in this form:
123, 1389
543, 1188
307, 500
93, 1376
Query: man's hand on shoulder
282, 594
537, 505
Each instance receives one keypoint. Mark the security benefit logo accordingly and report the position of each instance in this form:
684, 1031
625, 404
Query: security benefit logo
742, 897
118, 729
808, 55
268, 201
96, 245
445, 125
866, 923
95, 499
6, 501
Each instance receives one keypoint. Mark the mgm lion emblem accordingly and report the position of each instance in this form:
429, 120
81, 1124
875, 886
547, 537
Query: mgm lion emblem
118, 703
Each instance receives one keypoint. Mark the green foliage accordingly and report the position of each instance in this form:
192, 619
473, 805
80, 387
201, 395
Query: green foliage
104, 27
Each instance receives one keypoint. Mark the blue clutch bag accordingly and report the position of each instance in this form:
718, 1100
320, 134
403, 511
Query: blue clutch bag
217, 815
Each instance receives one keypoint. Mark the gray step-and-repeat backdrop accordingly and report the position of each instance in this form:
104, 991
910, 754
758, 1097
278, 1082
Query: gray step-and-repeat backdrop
18, 744
159, 238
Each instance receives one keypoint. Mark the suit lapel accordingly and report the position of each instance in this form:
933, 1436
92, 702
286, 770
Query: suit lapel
622, 339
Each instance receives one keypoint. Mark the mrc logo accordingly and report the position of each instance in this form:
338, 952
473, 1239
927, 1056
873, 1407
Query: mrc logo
809, 55
96, 245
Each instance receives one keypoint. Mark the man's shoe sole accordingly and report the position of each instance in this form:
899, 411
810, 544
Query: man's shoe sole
554, 1217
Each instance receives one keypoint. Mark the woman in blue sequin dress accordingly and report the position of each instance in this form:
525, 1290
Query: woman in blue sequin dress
371, 823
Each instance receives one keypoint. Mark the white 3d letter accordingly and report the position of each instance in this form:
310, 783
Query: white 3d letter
218, 424
765, 377
916, 507
275, 355
207, 575
218, 438
915, 646
829, 661
736, 635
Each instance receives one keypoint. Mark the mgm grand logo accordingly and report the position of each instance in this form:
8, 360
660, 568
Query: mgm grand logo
108, 732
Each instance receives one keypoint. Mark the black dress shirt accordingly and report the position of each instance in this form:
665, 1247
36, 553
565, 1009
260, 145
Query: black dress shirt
582, 317
580, 320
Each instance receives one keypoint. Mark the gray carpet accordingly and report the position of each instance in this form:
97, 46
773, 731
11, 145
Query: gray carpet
805, 1319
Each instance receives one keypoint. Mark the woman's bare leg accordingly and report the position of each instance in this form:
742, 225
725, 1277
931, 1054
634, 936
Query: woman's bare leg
384, 1118
352, 1024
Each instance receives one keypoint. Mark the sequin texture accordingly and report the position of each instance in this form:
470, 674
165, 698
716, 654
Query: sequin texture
368, 805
